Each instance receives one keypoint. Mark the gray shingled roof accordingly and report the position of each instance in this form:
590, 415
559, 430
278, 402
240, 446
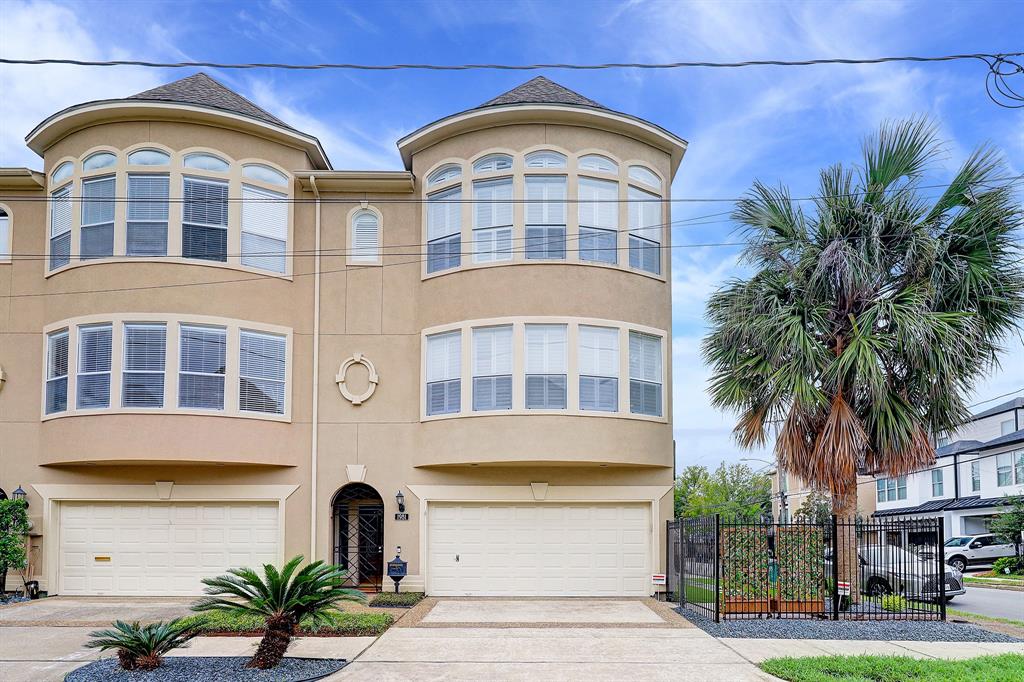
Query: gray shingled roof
1015, 404
202, 90
958, 447
541, 90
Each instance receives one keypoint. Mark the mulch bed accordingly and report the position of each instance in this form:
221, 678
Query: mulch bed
219, 668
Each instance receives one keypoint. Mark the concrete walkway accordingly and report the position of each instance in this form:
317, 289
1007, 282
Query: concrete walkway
757, 650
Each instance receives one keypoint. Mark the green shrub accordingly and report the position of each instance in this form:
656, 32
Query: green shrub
397, 599
1008, 565
141, 647
894, 603
340, 624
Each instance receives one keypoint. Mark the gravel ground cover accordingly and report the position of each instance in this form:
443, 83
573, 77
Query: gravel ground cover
12, 599
886, 630
212, 668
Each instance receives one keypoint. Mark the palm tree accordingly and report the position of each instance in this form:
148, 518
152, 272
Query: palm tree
283, 598
867, 320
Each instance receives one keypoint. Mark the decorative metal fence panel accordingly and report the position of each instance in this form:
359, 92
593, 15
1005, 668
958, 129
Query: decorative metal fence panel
841, 570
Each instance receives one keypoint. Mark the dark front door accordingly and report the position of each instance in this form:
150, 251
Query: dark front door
371, 544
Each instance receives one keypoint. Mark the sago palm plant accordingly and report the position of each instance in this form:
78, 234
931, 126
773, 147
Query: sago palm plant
141, 647
867, 320
283, 598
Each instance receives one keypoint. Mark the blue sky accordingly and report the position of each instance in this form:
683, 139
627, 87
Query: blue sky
770, 124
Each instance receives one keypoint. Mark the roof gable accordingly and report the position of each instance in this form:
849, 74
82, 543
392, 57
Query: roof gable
541, 90
202, 90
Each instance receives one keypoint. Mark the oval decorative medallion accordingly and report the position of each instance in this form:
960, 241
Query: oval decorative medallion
371, 380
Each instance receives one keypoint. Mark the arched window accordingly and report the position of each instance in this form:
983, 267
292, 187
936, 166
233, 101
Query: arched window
206, 162
364, 237
258, 171
5, 236
493, 162
545, 159
149, 157
99, 160
444, 174
644, 175
596, 162
62, 172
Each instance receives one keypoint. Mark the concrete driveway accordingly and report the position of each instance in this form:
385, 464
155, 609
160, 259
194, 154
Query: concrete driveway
533, 640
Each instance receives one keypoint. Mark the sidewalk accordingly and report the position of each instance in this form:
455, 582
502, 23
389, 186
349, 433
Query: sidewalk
757, 650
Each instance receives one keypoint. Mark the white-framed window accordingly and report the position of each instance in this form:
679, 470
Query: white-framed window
62, 172
5, 236
492, 368
202, 367
264, 229
364, 237
546, 366
644, 175
891, 489
599, 220
99, 160
147, 214
937, 482
1010, 469
149, 157
492, 163
95, 344
56, 372
942, 441
596, 162
444, 230
545, 159
262, 372
444, 372
1006, 427
264, 173
599, 368
545, 217
204, 219
60, 227
975, 476
145, 361
97, 234
206, 162
492, 220
644, 231
645, 374
444, 174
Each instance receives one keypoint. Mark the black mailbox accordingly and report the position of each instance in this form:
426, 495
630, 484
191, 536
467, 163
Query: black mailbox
397, 569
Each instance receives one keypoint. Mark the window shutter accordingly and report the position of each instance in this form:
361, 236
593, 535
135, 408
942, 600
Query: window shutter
444, 214
444, 356
545, 200
493, 205
599, 393
545, 159
645, 215
596, 162
598, 206
264, 229
599, 351
545, 349
145, 349
492, 351
365, 239
60, 212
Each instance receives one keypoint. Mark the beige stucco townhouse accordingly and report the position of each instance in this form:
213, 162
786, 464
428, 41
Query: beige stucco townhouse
218, 350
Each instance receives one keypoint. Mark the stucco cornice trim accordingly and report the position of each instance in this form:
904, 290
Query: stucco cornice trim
391, 182
178, 493
524, 493
21, 178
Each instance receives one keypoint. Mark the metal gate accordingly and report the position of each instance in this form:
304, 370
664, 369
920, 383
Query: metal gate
358, 526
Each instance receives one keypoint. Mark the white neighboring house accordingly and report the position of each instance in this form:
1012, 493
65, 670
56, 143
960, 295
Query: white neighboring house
976, 467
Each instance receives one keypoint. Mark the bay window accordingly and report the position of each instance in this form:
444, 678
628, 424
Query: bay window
60, 227
202, 367
145, 354
97, 234
599, 368
598, 218
93, 380
546, 366
204, 228
645, 379
56, 372
147, 215
545, 217
645, 231
492, 220
264, 228
444, 230
492, 368
444, 372
261, 371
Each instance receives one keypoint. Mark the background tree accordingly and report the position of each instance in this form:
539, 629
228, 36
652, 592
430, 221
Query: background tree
1009, 525
868, 319
13, 527
816, 507
731, 490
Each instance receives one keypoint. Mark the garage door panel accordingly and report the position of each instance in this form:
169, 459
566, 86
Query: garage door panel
160, 548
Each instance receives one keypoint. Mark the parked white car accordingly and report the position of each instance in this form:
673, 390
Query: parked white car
967, 550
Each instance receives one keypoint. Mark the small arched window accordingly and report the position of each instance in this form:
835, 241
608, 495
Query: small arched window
596, 162
364, 237
5, 236
644, 175
149, 157
206, 162
493, 162
444, 174
62, 172
258, 171
545, 159
99, 160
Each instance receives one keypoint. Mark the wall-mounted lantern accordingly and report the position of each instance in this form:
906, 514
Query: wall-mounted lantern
400, 499
20, 494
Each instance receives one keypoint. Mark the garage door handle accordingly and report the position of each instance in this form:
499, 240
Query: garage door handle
456, 558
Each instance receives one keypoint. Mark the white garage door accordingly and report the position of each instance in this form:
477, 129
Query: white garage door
162, 549
538, 549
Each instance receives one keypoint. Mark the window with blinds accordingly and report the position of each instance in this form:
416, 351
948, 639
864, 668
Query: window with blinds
599, 368
645, 231
545, 217
596, 162
364, 238
599, 224
444, 372
546, 363
145, 350
492, 368
492, 220
56, 372
261, 372
645, 377
492, 163
5, 235
202, 367
545, 159
93, 377
60, 227
444, 174
97, 235
147, 215
264, 229
204, 228
444, 230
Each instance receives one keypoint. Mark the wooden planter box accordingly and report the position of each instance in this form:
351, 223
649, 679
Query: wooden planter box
741, 605
798, 605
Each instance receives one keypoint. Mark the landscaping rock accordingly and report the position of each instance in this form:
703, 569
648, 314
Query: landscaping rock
220, 668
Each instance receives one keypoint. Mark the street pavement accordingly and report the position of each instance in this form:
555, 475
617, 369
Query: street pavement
986, 601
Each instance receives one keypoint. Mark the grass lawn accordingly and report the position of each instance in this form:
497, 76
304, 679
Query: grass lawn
975, 616
397, 599
1004, 668
341, 625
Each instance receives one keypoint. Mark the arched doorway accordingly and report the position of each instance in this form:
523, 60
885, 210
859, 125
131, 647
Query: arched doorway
357, 512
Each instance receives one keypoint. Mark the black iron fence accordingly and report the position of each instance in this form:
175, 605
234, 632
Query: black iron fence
888, 569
